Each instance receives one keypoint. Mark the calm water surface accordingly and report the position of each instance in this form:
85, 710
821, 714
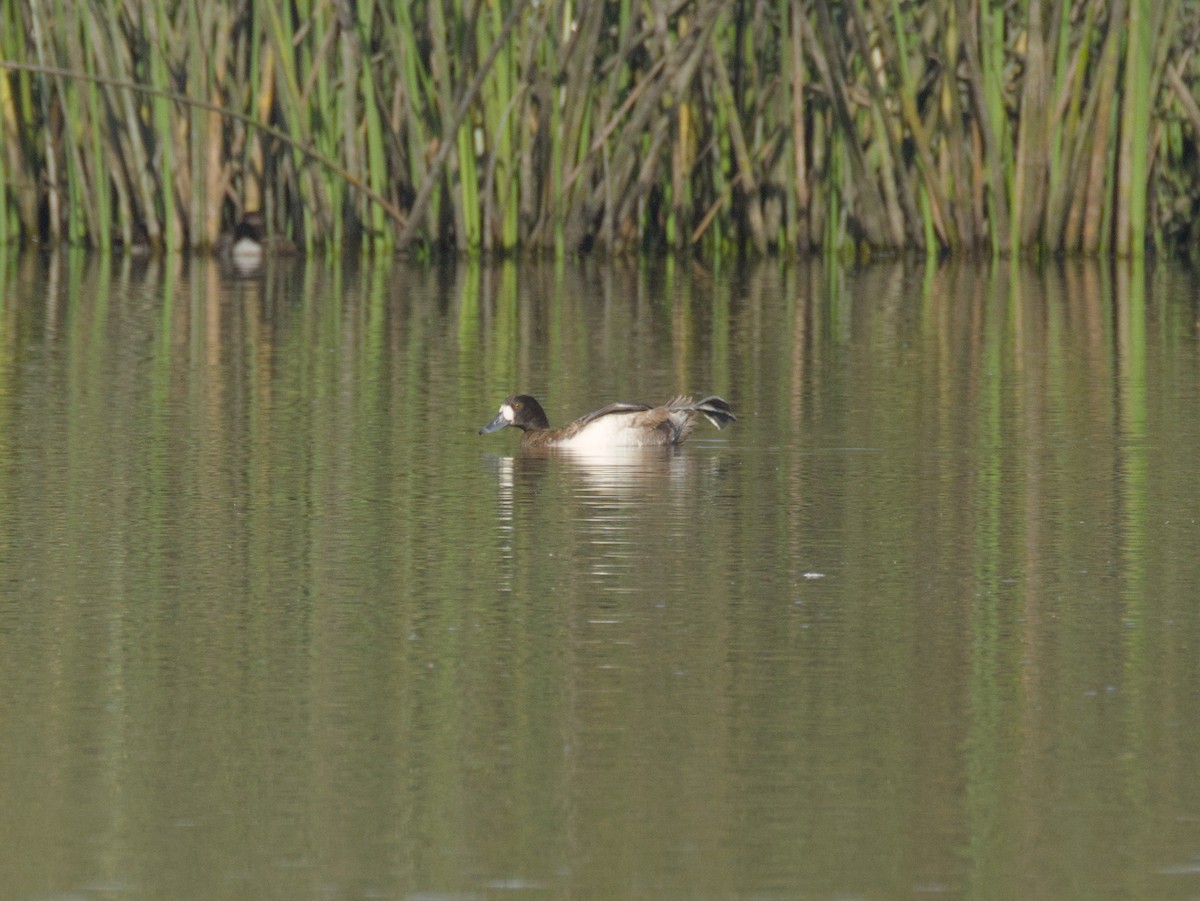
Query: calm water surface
276, 623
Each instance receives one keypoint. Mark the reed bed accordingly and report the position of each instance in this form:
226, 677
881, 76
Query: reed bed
702, 125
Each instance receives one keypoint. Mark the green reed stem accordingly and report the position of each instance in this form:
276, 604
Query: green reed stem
380, 235
416, 94
159, 40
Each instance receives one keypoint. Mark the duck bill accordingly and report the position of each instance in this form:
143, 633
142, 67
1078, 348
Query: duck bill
495, 425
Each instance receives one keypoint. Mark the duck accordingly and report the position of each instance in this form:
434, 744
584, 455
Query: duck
615, 425
247, 244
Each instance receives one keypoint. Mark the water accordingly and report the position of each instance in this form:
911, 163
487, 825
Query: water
277, 623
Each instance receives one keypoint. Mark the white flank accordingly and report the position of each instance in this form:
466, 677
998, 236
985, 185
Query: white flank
607, 432
247, 254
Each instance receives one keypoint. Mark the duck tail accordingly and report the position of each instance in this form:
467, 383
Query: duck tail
716, 411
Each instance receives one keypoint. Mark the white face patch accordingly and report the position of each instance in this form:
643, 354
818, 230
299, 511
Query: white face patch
506, 411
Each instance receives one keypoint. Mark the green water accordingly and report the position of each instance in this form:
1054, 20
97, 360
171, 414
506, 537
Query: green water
275, 622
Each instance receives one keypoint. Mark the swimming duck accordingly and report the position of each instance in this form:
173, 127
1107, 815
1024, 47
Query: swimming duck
615, 425
248, 244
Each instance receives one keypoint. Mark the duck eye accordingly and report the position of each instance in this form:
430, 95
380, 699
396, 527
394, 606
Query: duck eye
517, 405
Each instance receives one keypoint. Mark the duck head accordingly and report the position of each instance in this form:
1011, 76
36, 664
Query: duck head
522, 412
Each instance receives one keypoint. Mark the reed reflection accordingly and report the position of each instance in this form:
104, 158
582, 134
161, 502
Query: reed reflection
250, 521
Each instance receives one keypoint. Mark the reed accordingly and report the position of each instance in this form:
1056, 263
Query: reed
775, 126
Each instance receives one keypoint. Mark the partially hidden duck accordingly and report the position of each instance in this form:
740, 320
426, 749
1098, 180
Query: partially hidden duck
248, 244
612, 426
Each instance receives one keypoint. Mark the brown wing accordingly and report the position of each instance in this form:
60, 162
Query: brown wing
605, 411
674, 420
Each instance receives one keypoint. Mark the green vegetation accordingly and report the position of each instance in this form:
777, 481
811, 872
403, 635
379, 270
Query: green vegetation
781, 125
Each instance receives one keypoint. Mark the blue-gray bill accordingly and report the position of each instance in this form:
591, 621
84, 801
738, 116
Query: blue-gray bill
495, 425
